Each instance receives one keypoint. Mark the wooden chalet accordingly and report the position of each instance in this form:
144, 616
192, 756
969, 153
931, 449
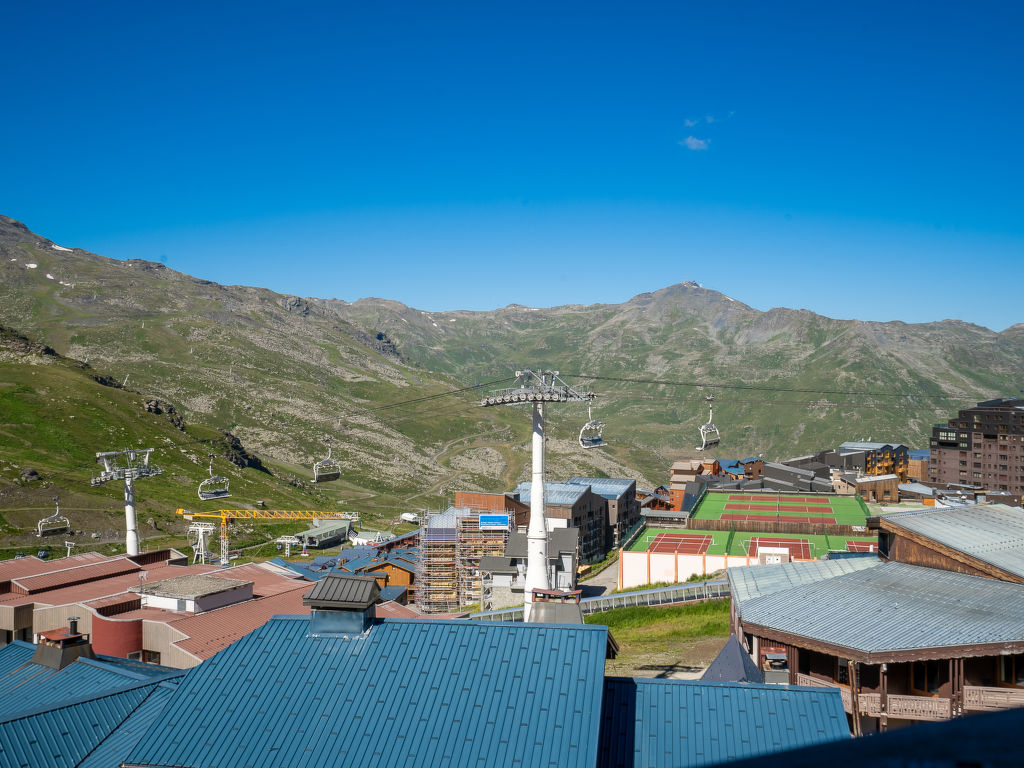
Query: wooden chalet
930, 630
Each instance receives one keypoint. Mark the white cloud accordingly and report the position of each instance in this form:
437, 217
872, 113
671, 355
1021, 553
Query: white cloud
690, 123
710, 118
692, 142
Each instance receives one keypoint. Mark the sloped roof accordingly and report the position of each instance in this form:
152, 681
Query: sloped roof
733, 665
654, 723
25, 686
409, 692
559, 494
559, 540
340, 590
606, 487
991, 533
758, 580
892, 608
860, 445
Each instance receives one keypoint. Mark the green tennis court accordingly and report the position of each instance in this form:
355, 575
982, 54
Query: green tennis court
785, 507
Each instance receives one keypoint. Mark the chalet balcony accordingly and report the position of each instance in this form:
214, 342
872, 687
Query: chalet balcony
976, 698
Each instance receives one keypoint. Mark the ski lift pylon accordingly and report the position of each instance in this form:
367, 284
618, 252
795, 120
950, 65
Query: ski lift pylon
591, 434
709, 435
213, 487
327, 469
55, 523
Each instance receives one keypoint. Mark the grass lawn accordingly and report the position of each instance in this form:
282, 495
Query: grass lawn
657, 641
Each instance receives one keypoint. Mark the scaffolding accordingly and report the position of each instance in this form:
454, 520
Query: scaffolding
451, 545
476, 541
437, 582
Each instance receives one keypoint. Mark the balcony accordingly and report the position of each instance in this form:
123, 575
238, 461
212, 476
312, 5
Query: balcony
982, 699
898, 705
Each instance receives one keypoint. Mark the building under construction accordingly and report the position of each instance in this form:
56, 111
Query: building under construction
451, 545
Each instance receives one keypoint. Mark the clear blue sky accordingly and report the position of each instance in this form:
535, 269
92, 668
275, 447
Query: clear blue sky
859, 159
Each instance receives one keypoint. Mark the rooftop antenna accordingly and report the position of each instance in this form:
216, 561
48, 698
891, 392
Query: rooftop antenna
537, 387
128, 465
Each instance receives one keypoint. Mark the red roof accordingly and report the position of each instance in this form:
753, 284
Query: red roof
213, 631
78, 574
29, 566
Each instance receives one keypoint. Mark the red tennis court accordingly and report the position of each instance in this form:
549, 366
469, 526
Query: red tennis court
680, 543
861, 546
778, 499
772, 508
748, 518
798, 548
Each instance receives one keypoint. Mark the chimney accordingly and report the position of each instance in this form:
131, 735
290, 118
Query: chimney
60, 647
343, 605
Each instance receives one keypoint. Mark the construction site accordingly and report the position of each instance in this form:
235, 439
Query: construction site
451, 545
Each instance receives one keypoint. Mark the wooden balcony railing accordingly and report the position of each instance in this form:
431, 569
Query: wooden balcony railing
977, 697
898, 705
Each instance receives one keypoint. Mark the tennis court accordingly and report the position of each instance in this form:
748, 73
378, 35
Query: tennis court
681, 543
738, 543
829, 509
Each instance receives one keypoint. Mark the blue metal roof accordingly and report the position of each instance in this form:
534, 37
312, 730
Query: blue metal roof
407, 692
732, 665
565, 494
65, 735
122, 740
607, 487
893, 607
662, 723
26, 686
991, 533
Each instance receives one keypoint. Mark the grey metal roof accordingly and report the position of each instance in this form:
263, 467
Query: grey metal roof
733, 664
918, 488
559, 540
497, 564
556, 613
893, 607
340, 590
758, 580
607, 487
859, 445
992, 533
563, 494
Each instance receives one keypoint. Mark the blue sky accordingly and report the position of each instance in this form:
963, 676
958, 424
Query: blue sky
856, 159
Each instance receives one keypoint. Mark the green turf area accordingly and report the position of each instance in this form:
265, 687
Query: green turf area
737, 546
845, 509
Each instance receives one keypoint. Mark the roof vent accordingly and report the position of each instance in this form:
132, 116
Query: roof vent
342, 605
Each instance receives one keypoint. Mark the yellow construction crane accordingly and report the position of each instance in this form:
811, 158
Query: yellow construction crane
259, 514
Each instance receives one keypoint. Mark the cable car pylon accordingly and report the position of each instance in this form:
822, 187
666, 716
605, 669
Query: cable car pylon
537, 388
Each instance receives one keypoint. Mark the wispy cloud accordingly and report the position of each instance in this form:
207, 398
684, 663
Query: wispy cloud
692, 142
692, 121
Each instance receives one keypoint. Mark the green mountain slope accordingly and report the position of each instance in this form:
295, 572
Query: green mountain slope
280, 373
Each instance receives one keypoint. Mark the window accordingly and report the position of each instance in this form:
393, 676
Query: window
842, 675
925, 678
1011, 670
151, 657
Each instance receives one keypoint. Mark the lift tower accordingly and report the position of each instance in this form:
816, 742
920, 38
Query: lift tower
128, 465
537, 388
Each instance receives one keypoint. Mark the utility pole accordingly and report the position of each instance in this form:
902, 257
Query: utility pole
537, 388
128, 465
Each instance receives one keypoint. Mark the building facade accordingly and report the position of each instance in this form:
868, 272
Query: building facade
983, 445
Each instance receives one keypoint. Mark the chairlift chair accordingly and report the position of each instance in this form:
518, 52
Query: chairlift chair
590, 435
55, 523
213, 487
709, 435
327, 469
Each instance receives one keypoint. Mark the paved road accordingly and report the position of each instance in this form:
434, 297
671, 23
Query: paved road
603, 583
